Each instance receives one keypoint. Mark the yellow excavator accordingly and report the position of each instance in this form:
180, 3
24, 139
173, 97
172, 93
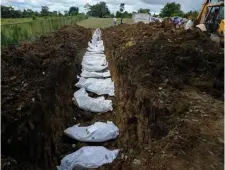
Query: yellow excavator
211, 19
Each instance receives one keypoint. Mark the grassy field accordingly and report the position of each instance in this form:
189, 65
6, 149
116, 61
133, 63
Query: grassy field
16, 31
6, 21
101, 22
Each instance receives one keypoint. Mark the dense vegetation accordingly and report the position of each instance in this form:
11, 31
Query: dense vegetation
174, 9
100, 10
170, 9
13, 33
10, 12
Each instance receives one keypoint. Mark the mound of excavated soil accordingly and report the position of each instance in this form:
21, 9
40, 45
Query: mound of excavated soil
178, 58
36, 97
168, 88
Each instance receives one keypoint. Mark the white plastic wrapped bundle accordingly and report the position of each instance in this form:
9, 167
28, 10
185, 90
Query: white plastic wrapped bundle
91, 45
94, 61
94, 40
93, 55
98, 132
98, 33
88, 157
100, 46
94, 52
97, 50
87, 74
98, 86
97, 105
100, 42
94, 68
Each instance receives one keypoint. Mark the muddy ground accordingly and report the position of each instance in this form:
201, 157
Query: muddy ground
168, 104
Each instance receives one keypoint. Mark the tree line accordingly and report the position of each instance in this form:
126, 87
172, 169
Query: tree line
170, 9
10, 12
174, 9
101, 10
97, 10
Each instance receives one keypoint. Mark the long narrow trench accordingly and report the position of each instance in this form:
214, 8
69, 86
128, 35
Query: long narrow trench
154, 133
135, 131
162, 125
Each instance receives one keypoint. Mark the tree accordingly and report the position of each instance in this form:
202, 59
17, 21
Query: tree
191, 15
60, 14
36, 13
99, 10
87, 7
10, 12
146, 11
73, 10
171, 9
44, 11
122, 6
118, 14
125, 14
154, 15
54, 13
6, 12
66, 13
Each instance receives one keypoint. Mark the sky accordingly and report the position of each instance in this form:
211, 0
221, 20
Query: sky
113, 5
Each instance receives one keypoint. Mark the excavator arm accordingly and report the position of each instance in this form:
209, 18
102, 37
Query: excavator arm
202, 14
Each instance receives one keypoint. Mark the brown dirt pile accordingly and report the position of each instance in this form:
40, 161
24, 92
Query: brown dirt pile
36, 97
176, 57
168, 84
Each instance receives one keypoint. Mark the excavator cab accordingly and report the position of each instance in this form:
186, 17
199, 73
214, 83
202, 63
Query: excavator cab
214, 18
211, 19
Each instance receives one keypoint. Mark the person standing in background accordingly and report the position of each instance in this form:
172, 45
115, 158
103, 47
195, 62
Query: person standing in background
121, 21
114, 21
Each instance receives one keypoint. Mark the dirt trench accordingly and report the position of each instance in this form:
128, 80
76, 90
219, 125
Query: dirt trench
167, 104
37, 88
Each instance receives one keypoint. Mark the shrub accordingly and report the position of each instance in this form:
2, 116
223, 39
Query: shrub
34, 17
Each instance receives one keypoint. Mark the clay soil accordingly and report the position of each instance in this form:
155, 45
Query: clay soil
168, 103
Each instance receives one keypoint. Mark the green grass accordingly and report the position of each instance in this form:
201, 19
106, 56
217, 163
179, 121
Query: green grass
5, 21
101, 22
13, 33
